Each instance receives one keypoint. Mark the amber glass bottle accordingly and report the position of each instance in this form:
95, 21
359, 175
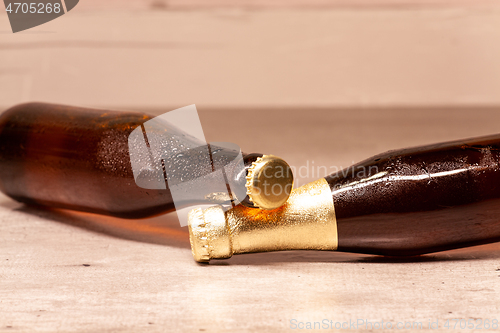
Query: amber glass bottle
420, 200
76, 158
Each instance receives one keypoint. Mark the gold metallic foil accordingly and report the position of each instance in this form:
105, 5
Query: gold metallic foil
305, 222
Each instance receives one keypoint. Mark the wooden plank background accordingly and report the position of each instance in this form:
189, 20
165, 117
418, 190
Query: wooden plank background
266, 4
122, 56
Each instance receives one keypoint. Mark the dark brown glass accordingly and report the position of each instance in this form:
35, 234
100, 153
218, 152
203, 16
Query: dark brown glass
76, 158
420, 200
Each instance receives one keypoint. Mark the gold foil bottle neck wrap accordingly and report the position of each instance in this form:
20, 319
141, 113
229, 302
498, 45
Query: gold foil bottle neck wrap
305, 222
269, 182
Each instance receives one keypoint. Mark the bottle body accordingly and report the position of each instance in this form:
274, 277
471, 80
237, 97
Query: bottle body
74, 158
77, 158
420, 200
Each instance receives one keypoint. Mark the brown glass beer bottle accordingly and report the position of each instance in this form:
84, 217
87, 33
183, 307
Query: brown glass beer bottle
77, 158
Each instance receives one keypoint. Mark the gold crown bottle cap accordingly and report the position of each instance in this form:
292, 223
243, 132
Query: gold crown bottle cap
269, 182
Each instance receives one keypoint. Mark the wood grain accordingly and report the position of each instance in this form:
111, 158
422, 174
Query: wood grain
256, 58
70, 272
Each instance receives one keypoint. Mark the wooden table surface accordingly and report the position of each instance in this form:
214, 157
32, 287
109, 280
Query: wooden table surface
74, 272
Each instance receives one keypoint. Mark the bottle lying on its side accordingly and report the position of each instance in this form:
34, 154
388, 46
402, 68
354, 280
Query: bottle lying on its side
76, 158
400, 203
